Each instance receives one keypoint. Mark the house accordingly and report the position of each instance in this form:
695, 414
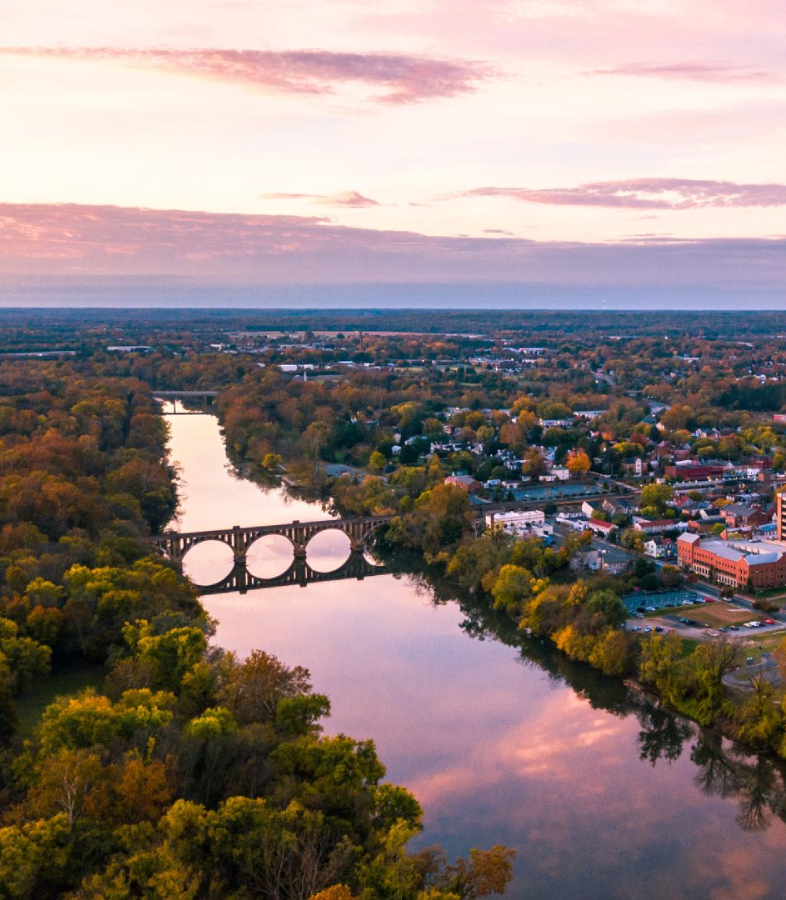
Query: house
467, 482
737, 515
660, 548
561, 473
617, 506
600, 560
602, 529
655, 526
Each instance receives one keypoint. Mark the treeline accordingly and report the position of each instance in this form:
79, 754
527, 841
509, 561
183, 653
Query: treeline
185, 773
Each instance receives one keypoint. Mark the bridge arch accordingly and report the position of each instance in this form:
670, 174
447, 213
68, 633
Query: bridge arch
269, 555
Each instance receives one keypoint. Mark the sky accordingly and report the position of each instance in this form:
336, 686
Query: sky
505, 152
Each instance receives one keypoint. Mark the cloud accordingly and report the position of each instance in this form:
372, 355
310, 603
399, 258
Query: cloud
351, 199
646, 193
68, 248
401, 78
715, 72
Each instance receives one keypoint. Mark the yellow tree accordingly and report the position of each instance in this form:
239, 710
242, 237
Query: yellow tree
578, 462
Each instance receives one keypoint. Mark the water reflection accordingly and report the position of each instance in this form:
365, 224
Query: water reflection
328, 551
269, 556
208, 562
603, 794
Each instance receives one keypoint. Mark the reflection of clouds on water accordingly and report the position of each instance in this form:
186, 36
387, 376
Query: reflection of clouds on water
328, 550
208, 562
269, 556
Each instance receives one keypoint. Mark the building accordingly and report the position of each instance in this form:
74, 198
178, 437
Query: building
467, 482
737, 515
730, 565
602, 529
516, 517
529, 522
613, 562
780, 510
655, 526
689, 471
660, 548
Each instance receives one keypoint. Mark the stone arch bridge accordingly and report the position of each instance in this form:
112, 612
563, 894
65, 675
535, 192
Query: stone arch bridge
239, 539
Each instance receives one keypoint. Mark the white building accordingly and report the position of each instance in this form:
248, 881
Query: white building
521, 522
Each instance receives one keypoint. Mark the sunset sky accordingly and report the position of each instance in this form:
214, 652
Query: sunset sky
629, 147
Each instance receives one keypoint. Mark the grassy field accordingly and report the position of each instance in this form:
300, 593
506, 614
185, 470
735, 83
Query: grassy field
718, 614
30, 706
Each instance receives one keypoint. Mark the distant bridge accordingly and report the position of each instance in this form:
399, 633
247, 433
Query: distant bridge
176, 544
203, 396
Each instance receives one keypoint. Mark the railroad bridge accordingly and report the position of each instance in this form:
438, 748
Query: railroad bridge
176, 544
358, 530
206, 397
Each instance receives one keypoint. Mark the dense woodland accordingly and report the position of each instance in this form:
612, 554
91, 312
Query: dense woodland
188, 773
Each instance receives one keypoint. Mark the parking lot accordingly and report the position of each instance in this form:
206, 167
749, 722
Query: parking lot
655, 600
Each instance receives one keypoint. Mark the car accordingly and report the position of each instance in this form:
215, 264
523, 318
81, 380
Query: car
658, 629
635, 628
641, 609
684, 621
639, 616
688, 603
769, 621
651, 609
647, 630
709, 599
733, 627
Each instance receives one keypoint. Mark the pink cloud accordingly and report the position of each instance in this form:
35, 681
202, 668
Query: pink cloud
718, 72
351, 199
55, 244
646, 193
402, 78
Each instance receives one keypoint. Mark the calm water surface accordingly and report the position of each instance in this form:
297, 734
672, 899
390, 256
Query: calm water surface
501, 743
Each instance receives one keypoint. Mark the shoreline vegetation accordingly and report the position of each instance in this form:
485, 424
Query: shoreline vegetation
189, 773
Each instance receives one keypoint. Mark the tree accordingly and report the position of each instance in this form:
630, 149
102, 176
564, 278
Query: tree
578, 463
655, 498
377, 461
513, 585
253, 689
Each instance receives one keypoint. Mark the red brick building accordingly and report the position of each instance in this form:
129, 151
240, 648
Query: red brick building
732, 566
695, 472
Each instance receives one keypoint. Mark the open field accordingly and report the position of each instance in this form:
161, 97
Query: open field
716, 615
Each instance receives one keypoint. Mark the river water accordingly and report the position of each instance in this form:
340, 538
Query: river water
501, 741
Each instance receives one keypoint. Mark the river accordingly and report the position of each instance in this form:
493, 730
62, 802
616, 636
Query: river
502, 741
